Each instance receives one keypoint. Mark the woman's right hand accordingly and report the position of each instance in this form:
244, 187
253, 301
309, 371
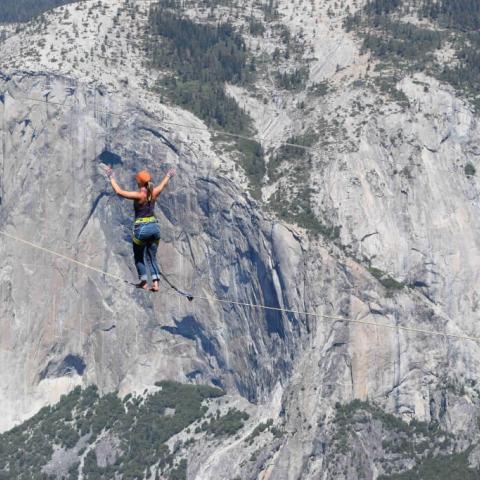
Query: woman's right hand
171, 172
109, 172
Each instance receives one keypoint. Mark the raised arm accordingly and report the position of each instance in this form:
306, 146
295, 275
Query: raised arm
159, 188
119, 190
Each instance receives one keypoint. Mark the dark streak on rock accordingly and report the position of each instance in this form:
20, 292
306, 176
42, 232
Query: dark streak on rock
162, 137
444, 139
368, 235
109, 329
92, 210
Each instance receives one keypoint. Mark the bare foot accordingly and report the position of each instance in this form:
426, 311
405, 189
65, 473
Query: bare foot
142, 284
155, 286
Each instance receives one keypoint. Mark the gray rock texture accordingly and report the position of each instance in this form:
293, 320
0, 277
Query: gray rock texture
398, 191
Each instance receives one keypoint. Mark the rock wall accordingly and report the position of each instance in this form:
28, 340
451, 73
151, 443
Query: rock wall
391, 175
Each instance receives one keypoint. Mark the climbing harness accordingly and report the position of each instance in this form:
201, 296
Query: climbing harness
145, 220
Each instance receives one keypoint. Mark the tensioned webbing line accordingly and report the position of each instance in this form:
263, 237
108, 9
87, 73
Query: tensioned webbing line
175, 124
64, 257
250, 305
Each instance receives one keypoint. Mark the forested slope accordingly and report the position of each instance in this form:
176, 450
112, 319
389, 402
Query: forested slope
23, 10
353, 210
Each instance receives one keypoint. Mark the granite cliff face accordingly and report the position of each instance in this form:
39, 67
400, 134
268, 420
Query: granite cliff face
213, 238
391, 175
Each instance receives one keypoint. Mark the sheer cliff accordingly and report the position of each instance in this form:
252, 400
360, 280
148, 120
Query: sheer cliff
358, 201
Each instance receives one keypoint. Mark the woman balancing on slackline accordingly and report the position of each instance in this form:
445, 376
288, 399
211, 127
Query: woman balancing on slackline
146, 232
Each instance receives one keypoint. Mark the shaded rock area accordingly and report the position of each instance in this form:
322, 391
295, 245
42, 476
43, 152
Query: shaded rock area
216, 243
314, 387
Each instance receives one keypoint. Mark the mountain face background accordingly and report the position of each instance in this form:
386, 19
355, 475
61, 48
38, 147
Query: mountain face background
377, 221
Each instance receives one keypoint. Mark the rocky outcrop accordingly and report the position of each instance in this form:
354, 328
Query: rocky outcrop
215, 242
407, 255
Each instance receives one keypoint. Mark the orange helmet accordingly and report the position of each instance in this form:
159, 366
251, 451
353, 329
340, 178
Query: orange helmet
143, 177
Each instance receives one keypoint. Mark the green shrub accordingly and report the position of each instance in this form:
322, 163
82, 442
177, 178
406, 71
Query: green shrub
228, 424
441, 467
276, 432
180, 472
320, 89
290, 153
294, 80
469, 170
67, 436
298, 209
258, 430
388, 282
256, 27
252, 160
